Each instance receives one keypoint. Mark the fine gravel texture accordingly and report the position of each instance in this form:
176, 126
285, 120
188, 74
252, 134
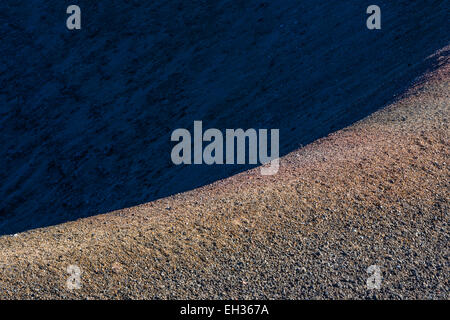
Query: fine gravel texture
86, 116
374, 193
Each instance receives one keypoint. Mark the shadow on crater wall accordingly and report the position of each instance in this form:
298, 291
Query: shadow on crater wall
86, 116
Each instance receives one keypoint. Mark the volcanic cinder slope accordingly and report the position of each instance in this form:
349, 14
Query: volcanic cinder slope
374, 193
86, 116
85, 124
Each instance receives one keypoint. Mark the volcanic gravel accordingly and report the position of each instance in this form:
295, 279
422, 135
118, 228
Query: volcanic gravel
375, 193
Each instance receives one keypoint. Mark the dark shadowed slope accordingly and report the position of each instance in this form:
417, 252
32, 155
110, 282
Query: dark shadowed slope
86, 117
374, 193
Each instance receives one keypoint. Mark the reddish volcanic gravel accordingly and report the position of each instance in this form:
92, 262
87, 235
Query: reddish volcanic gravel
375, 193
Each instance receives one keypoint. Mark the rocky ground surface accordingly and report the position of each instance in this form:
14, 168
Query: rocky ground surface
375, 193
86, 116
